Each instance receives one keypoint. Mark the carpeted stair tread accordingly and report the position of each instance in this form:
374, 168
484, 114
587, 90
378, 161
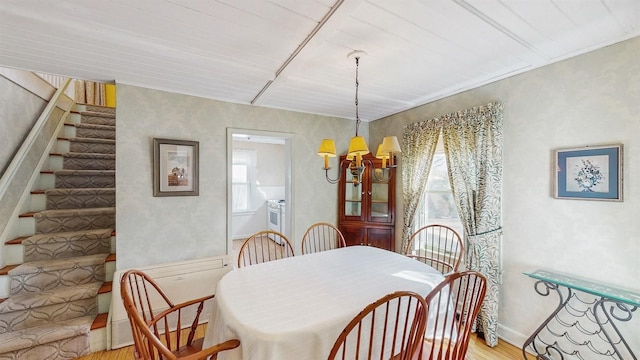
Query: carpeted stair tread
76, 180
35, 276
100, 119
95, 131
84, 172
92, 140
34, 267
98, 108
50, 297
79, 191
49, 238
85, 178
98, 113
64, 220
95, 126
45, 334
89, 155
74, 212
66, 244
80, 198
92, 145
88, 161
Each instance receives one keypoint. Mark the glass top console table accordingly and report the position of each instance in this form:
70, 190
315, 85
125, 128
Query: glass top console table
586, 322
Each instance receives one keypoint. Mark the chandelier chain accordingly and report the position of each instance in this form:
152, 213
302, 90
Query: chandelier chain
357, 85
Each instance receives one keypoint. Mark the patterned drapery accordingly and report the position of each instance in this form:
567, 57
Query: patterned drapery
473, 147
473, 142
419, 144
90, 93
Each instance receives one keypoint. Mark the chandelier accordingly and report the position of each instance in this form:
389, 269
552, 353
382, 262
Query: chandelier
358, 147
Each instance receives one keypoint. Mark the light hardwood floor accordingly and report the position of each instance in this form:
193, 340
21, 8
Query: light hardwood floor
477, 351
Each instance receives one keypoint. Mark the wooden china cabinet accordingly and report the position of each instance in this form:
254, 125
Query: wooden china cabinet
366, 210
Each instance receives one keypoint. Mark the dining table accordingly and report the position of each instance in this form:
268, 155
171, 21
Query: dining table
296, 307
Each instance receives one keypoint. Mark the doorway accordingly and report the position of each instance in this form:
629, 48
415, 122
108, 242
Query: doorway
258, 174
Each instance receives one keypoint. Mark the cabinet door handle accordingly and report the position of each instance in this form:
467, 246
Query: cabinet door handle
369, 193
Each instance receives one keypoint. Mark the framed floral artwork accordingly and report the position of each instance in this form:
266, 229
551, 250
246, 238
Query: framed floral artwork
588, 173
175, 167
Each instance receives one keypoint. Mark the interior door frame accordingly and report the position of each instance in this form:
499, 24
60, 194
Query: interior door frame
288, 183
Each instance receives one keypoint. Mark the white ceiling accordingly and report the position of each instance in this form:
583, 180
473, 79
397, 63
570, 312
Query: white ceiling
292, 54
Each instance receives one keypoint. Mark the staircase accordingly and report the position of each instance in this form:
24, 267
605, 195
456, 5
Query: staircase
60, 283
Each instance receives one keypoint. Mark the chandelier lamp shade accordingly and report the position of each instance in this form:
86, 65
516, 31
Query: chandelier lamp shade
358, 146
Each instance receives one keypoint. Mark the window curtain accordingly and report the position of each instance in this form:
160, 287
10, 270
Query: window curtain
90, 92
473, 142
419, 142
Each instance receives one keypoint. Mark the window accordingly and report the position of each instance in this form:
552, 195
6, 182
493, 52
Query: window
437, 205
243, 174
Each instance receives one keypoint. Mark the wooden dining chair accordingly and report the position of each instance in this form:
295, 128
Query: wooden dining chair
322, 236
264, 246
453, 306
438, 246
390, 328
157, 323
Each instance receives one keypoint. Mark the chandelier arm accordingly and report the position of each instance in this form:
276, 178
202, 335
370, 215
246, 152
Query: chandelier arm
384, 179
336, 180
330, 180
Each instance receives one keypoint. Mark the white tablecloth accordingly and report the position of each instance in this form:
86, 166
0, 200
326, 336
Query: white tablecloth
295, 308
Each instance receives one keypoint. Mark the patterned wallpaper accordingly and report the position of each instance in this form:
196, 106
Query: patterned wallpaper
591, 99
20, 110
154, 230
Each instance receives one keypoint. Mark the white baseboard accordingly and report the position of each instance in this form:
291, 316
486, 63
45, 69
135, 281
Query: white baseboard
182, 281
511, 336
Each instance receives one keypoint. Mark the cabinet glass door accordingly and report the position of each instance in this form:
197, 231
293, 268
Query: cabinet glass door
380, 195
352, 196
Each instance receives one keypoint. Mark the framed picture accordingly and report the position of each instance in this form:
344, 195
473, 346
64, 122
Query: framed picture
175, 167
589, 173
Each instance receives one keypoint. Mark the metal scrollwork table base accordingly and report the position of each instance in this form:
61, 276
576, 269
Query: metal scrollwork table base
586, 324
